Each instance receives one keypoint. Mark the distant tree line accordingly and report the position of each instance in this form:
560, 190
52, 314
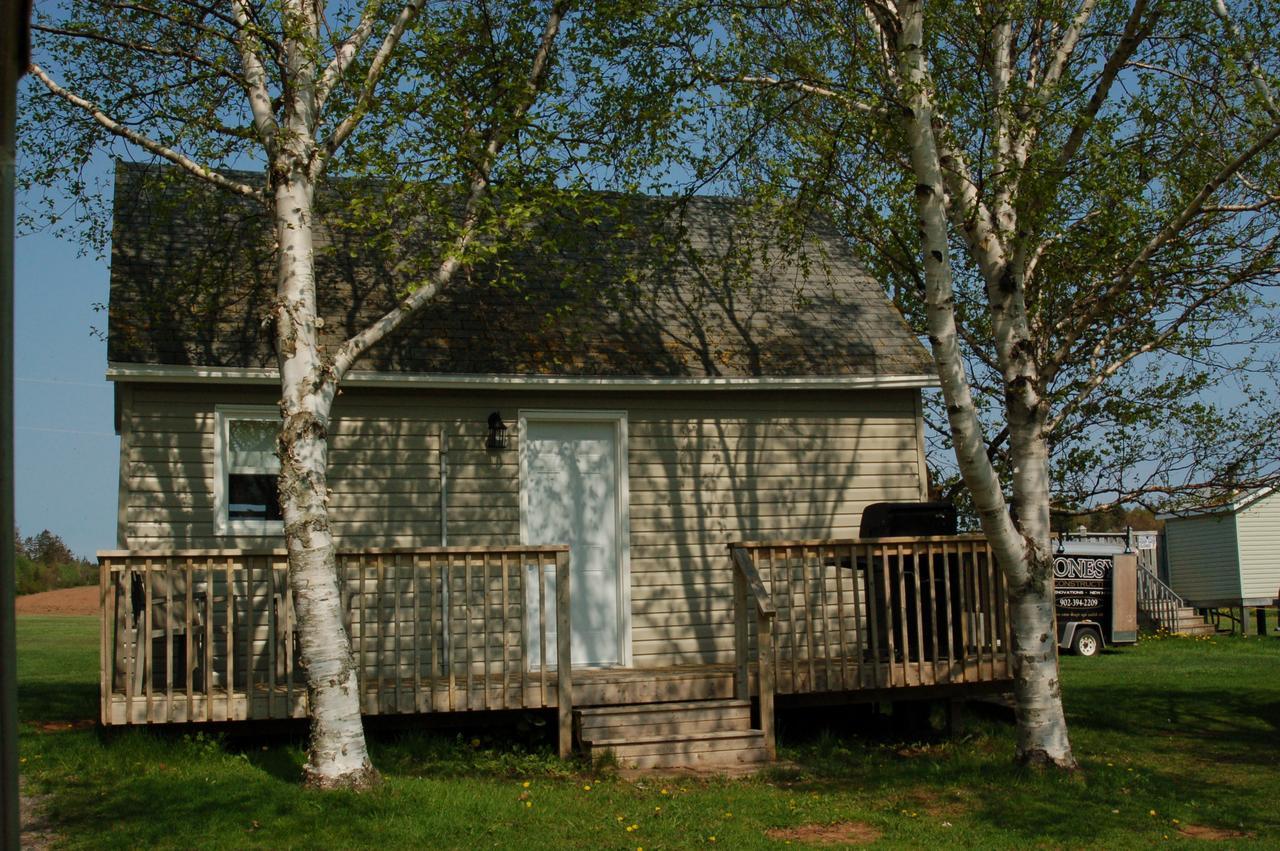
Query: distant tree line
45, 562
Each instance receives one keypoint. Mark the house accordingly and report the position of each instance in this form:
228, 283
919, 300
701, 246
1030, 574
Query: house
1227, 557
658, 406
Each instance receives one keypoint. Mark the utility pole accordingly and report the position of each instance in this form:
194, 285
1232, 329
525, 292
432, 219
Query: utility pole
15, 20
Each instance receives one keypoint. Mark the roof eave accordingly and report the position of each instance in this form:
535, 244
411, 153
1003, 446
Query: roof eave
183, 374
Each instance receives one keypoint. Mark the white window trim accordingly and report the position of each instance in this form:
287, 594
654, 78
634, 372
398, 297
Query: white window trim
222, 523
623, 518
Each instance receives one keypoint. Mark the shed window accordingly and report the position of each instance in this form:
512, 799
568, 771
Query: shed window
248, 501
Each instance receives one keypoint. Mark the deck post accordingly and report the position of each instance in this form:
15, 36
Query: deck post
764, 635
564, 664
741, 651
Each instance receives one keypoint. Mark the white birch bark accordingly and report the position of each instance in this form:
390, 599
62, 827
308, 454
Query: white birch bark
1023, 554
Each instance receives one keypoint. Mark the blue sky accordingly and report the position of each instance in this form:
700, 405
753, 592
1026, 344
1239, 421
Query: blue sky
66, 454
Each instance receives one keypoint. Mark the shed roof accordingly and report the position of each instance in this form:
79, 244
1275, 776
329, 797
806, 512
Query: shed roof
654, 288
1242, 501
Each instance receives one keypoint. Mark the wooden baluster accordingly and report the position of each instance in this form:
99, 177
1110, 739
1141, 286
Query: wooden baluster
522, 574
210, 710
872, 598
106, 658
189, 626
506, 612
889, 615
251, 635
1004, 613
446, 618
231, 640
167, 572
273, 636
289, 665
991, 605
542, 630
846, 676
809, 619
484, 613
919, 610
826, 615
415, 590
859, 637
792, 654
932, 597
148, 637
466, 623
946, 596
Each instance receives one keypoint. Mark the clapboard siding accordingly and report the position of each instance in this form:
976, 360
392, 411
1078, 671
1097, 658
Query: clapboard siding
705, 468
1203, 561
1258, 530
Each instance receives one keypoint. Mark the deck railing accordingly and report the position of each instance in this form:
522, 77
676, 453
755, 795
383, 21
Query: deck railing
210, 635
877, 613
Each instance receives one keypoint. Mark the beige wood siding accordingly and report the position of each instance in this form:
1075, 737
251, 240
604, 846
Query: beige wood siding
1258, 528
705, 468
1202, 557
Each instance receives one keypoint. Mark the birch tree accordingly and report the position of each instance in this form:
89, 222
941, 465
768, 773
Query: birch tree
457, 95
1076, 203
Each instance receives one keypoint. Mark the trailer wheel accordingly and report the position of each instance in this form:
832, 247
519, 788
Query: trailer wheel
1086, 643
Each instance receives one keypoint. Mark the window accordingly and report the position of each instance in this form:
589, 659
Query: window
246, 500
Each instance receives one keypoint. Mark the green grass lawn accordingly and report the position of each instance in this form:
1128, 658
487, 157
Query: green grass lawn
1175, 737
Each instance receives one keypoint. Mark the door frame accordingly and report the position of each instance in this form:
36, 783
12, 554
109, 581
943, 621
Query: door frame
622, 517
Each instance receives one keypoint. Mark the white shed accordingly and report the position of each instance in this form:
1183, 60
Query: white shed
1229, 556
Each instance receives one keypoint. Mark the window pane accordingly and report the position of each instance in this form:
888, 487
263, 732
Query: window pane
253, 445
252, 497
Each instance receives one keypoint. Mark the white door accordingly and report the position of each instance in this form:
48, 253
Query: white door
569, 495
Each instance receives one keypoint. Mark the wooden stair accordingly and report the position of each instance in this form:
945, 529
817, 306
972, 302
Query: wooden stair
1187, 621
1184, 620
695, 734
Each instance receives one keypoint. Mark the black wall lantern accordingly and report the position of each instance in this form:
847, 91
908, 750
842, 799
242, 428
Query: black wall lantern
497, 432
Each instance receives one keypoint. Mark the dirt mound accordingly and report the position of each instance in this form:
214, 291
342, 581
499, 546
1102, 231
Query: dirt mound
65, 601
841, 833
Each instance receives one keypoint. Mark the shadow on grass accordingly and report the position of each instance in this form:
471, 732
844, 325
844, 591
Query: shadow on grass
57, 701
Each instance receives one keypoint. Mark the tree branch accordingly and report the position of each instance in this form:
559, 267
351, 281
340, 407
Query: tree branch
380, 59
115, 127
255, 78
1089, 314
478, 189
346, 53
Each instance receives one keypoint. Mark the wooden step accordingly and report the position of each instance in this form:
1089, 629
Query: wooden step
722, 749
645, 720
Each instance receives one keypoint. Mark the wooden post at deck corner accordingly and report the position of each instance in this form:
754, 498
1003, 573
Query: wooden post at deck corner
564, 664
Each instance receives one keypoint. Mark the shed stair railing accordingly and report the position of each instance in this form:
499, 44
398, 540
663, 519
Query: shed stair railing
1161, 604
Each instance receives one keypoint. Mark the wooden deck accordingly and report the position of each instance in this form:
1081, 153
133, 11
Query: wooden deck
205, 636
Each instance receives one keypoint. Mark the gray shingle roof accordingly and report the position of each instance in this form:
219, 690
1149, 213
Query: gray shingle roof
654, 288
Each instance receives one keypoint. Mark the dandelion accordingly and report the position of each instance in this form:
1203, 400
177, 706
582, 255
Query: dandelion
1175, 821
525, 784
619, 818
1153, 812
475, 743
657, 809
663, 792
728, 815
632, 828
586, 787
711, 839
528, 804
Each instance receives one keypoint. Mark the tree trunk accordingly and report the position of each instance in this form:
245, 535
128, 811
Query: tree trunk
1042, 724
1023, 553
337, 754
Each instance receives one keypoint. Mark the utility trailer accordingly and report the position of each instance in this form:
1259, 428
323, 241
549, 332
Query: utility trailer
1095, 597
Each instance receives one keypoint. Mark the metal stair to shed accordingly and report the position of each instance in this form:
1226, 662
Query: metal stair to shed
696, 734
